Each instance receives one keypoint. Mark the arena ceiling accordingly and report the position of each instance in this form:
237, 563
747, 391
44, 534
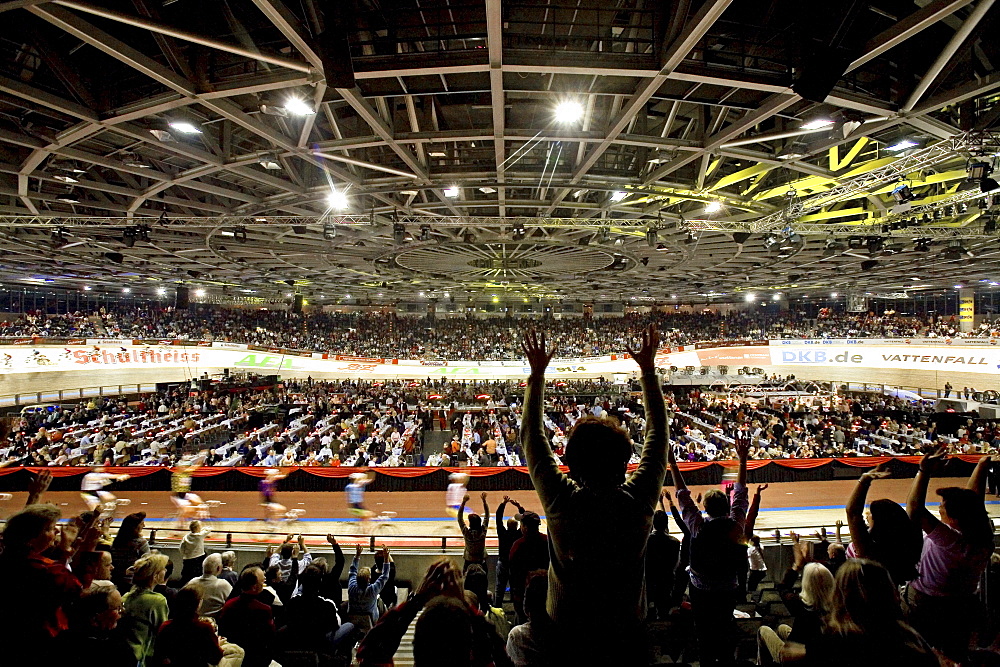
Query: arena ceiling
573, 149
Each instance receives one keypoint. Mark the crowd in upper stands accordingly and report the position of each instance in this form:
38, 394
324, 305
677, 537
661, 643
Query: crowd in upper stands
385, 423
382, 335
601, 585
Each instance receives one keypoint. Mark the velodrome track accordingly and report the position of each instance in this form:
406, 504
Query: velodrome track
421, 521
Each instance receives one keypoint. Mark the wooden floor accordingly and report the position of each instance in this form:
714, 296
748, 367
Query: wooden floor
421, 518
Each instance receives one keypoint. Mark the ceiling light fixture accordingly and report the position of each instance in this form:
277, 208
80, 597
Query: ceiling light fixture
270, 163
901, 145
618, 195
568, 111
184, 127
65, 179
817, 124
337, 200
713, 207
298, 106
452, 192
199, 293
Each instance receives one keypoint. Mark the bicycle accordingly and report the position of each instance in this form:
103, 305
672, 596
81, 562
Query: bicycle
278, 519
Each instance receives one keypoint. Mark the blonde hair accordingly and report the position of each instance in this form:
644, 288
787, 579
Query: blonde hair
817, 587
146, 568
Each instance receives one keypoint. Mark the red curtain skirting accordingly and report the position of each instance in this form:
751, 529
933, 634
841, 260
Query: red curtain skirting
342, 471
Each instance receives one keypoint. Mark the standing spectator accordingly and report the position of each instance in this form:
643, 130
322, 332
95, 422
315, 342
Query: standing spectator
145, 610
248, 622
362, 593
892, 539
93, 567
529, 553
192, 551
287, 553
717, 558
42, 588
596, 493
186, 640
331, 587
475, 533
128, 546
212, 591
758, 568
941, 602
506, 536
947, 389
662, 555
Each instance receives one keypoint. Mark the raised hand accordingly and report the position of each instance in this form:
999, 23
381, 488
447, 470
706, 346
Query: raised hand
506, 499
933, 460
330, 538
534, 349
646, 354
465, 499
877, 473
38, 485
483, 496
357, 552
761, 487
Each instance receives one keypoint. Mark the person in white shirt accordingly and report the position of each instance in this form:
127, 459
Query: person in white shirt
92, 487
214, 591
758, 568
192, 551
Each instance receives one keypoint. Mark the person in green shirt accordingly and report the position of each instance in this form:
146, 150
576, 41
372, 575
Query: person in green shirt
145, 611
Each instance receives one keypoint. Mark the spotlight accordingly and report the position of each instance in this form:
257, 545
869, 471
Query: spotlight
337, 200
921, 245
199, 293
518, 231
569, 111
603, 235
128, 236
301, 230
240, 234
651, 238
298, 106
452, 192
58, 239
398, 232
713, 207
817, 124
185, 127
618, 195
329, 231
833, 247
977, 171
901, 146
989, 224
902, 193
160, 291
425, 232
271, 163
142, 231
875, 244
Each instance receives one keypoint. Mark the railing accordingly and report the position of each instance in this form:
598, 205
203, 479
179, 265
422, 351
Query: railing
58, 396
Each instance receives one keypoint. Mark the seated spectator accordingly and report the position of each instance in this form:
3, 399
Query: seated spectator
477, 583
93, 639
248, 622
212, 590
596, 493
441, 641
941, 602
474, 533
810, 609
39, 590
144, 610
362, 592
891, 539
867, 624
192, 551
531, 644
93, 567
185, 639
228, 563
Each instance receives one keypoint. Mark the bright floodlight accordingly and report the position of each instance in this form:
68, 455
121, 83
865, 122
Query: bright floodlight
126, 290
160, 291
618, 195
184, 127
569, 112
713, 207
298, 106
750, 297
337, 200
452, 192
199, 293
817, 124
901, 146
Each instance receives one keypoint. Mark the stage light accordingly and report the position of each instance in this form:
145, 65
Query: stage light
185, 127
398, 232
901, 146
337, 200
902, 193
425, 232
713, 207
977, 171
298, 106
651, 238
126, 290
65, 179
569, 111
199, 293
750, 297
817, 124
453, 192
518, 231
618, 195
160, 291
87, 288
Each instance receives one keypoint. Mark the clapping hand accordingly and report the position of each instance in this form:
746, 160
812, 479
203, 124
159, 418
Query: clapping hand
357, 552
933, 460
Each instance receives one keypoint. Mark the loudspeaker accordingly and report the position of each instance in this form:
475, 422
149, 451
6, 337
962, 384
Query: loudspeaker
115, 257
869, 264
740, 237
334, 48
297, 304
183, 298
